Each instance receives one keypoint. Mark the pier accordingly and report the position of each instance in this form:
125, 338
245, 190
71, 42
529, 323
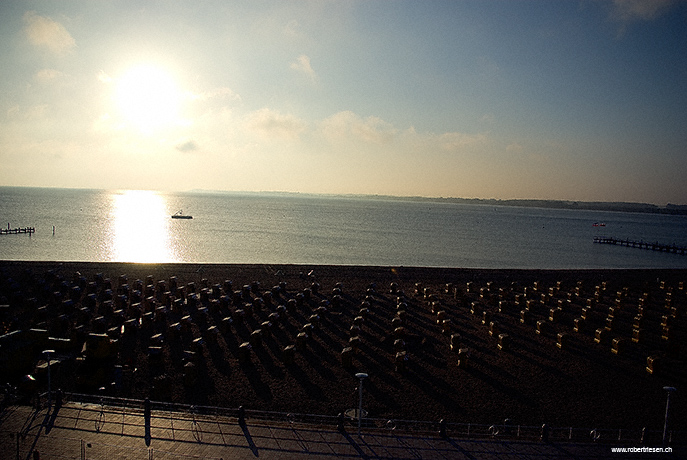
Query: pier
671, 248
15, 231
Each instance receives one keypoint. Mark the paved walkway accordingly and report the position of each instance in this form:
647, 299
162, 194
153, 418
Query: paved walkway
87, 431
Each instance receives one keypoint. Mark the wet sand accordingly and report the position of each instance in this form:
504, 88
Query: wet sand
532, 381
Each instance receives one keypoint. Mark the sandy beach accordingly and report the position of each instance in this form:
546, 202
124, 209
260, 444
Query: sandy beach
178, 332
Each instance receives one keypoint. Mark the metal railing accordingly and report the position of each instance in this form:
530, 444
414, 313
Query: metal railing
505, 430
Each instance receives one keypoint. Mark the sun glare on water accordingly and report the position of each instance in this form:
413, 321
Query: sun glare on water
148, 98
140, 228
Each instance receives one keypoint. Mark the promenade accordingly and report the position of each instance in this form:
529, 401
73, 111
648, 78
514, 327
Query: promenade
94, 431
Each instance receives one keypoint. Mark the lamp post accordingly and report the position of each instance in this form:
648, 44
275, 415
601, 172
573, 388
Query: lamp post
47, 354
361, 376
669, 390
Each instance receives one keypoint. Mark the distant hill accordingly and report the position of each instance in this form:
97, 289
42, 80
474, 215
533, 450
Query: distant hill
616, 206
551, 204
586, 205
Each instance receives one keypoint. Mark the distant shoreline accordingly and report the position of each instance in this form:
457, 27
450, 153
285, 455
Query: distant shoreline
612, 206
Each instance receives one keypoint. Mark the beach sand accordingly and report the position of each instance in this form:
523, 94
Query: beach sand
532, 381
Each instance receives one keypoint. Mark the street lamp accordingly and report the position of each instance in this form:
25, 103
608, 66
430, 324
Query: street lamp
669, 390
47, 354
361, 376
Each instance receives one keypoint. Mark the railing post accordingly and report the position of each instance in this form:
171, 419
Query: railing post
442, 429
544, 433
668, 390
340, 422
242, 416
361, 376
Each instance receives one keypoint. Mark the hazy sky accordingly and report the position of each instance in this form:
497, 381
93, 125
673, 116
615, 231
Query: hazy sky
575, 100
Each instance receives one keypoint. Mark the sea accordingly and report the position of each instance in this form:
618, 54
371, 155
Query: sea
289, 228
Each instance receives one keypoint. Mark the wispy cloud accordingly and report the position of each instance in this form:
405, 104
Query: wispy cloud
348, 125
47, 75
216, 93
34, 112
274, 124
639, 10
13, 111
514, 148
627, 12
44, 32
188, 145
302, 65
104, 78
293, 29
457, 141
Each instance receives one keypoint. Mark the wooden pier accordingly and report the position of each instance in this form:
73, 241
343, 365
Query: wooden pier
15, 231
671, 248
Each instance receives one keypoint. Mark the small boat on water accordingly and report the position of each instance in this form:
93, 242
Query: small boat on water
180, 215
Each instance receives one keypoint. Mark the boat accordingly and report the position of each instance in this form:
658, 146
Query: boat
180, 215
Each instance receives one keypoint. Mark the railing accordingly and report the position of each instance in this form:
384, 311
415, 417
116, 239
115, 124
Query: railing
505, 430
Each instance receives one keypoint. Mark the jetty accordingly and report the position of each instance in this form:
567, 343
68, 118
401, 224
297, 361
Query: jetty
15, 231
671, 248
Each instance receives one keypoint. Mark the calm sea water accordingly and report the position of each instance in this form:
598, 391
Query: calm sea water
135, 226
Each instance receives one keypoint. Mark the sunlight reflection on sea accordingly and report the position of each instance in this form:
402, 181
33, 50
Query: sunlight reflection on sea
140, 228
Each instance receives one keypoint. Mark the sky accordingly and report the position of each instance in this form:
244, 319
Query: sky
582, 100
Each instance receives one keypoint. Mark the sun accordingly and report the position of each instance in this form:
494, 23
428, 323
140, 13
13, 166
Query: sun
148, 98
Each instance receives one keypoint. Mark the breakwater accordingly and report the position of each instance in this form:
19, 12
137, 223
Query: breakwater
672, 248
15, 231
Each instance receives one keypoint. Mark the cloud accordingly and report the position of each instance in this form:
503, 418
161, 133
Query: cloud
47, 75
271, 123
47, 33
457, 141
104, 123
302, 65
628, 11
515, 148
293, 29
23, 113
348, 125
36, 111
104, 78
488, 118
13, 111
217, 93
188, 145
